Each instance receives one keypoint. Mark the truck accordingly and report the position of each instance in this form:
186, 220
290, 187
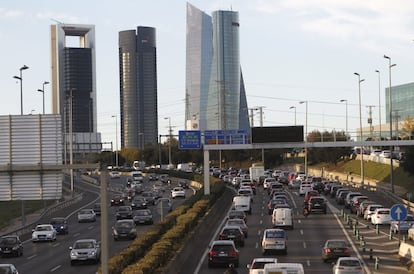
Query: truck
256, 170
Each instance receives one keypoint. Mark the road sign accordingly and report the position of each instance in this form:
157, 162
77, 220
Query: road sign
230, 136
398, 212
189, 139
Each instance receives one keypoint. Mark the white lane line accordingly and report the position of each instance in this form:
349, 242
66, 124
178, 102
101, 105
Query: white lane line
308, 262
261, 222
76, 235
299, 221
91, 227
56, 244
31, 257
304, 244
301, 232
256, 245
55, 268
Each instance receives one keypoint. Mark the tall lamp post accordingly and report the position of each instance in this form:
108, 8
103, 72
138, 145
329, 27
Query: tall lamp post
390, 65
360, 126
346, 115
306, 135
379, 102
116, 140
21, 86
169, 141
43, 94
293, 107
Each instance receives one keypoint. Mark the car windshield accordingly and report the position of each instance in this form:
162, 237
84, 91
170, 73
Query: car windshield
333, 244
349, 263
83, 245
123, 225
142, 213
317, 200
43, 228
85, 212
275, 234
260, 265
57, 221
235, 222
8, 240
220, 248
123, 209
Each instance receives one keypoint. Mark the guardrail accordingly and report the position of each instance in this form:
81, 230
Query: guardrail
47, 212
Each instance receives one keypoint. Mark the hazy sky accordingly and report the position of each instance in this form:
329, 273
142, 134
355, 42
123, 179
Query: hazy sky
291, 51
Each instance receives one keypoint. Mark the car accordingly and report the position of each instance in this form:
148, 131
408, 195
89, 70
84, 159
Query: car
164, 205
233, 233
381, 216
363, 206
273, 186
115, 174
294, 184
237, 214
143, 216
11, 246
273, 203
158, 186
274, 239
84, 250
139, 203
240, 223
149, 196
340, 198
370, 210
152, 177
44, 232
137, 175
402, 226
164, 178
348, 265
124, 229
117, 200
317, 204
335, 248
224, 253
8, 269
310, 194
304, 187
97, 209
177, 192
385, 154
268, 181
349, 196
60, 224
184, 184
356, 202
123, 212
257, 265
86, 215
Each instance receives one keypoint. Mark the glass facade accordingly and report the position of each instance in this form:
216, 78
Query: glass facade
138, 87
402, 102
215, 95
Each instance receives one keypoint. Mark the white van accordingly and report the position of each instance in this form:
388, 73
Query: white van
284, 268
282, 217
242, 203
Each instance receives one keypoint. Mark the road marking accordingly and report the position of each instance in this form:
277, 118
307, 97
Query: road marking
299, 221
257, 245
55, 268
31, 257
91, 227
55, 244
261, 222
308, 262
304, 245
76, 235
301, 232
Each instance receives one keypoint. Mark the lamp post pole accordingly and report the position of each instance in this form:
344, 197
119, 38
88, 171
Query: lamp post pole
21, 86
390, 65
346, 116
295, 112
43, 94
360, 126
116, 140
306, 135
379, 102
169, 141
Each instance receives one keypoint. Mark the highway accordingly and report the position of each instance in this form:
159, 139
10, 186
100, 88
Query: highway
309, 234
53, 257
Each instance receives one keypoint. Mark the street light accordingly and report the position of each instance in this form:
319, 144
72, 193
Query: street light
306, 135
21, 86
360, 126
379, 101
43, 93
169, 141
116, 139
346, 115
390, 110
295, 112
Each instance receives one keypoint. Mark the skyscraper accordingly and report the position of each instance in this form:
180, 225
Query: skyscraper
74, 85
138, 87
215, 95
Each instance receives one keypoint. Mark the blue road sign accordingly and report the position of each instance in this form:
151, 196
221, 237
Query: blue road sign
398, 212
189, 139
231, 136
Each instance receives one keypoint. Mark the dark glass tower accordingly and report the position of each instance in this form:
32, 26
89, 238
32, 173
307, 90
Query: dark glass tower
138, 87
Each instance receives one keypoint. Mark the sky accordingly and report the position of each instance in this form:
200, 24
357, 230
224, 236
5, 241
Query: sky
290, 51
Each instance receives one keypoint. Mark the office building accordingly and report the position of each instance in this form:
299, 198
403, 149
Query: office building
138, 87
74, 86
215, 95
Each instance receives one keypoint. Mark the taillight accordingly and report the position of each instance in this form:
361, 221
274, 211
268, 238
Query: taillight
212, 253
233, 252
347, 250
327, 250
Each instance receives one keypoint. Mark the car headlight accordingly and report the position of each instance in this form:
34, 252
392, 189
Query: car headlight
62, 227
14, 248
93, 253
115, 232
72, 253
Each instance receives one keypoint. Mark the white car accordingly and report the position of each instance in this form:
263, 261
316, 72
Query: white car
370, 210
381, 216
177, 192
44, 232
257, 265
267, 182
8, 268
115, 175
86, 215
304, 187
85, 250
348, 265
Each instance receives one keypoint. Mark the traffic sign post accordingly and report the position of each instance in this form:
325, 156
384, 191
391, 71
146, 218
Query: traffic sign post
398, 212
189, 139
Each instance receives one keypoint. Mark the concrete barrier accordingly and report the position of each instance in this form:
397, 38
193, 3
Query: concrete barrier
406, 252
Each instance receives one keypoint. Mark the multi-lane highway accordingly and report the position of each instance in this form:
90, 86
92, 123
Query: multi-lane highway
306, 239
53, 257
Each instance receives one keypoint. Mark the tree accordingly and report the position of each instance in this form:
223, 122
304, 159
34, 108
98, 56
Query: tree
331, 154
407, 130
408, 163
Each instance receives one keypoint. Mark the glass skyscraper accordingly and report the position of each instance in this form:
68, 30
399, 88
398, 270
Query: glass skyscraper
138, 87
215, 95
